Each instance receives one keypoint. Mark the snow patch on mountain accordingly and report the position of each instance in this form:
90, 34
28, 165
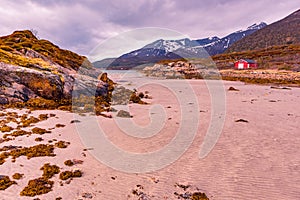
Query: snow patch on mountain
190, 48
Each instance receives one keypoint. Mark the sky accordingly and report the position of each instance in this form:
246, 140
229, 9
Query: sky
81, 26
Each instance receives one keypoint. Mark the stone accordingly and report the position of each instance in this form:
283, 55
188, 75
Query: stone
124, 114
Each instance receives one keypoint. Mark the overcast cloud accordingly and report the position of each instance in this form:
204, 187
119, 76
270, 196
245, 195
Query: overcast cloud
82, 25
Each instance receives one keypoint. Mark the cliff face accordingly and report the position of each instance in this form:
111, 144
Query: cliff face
32, 68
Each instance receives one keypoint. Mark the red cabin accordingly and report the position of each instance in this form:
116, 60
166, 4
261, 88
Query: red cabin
245, 64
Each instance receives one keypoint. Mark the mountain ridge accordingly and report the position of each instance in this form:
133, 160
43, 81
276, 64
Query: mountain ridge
283, 32
177, 49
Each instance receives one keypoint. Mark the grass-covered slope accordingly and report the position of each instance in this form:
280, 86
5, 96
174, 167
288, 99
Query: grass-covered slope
281, 57
282, 32
14, 47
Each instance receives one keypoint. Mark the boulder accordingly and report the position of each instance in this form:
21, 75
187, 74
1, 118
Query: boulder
124, 114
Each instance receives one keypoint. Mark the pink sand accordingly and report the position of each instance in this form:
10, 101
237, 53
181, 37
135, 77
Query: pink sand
255, 160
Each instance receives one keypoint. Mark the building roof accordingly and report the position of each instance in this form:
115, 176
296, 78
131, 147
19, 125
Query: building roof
249, 61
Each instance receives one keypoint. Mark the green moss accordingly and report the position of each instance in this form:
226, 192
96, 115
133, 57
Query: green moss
5, 182
49, 170
37, 187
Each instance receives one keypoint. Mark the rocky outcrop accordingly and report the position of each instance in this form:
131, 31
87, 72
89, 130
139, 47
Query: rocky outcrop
174, 70
32, 68
19, 84
22, 83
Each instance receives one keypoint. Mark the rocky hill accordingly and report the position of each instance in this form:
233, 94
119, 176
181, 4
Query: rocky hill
276, 46
283, 32
281, 57
32, 69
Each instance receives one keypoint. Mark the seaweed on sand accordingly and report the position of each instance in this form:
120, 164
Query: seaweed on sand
61, 144
69, 163
37, 186
70, 174
17, 176
49, 170
33, 151
5, 182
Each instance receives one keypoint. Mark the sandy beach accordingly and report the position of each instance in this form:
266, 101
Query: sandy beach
255, 157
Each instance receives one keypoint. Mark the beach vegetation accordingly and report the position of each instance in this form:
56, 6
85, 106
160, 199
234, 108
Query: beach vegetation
37, 186
49, 170
70, 174
17, 176
69, 163
5, 182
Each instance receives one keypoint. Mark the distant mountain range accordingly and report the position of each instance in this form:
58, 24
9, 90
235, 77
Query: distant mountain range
282, 32
177, 49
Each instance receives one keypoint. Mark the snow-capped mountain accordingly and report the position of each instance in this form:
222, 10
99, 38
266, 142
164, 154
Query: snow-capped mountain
182, 48
158, 51
257, 26
224, 43
169, 49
